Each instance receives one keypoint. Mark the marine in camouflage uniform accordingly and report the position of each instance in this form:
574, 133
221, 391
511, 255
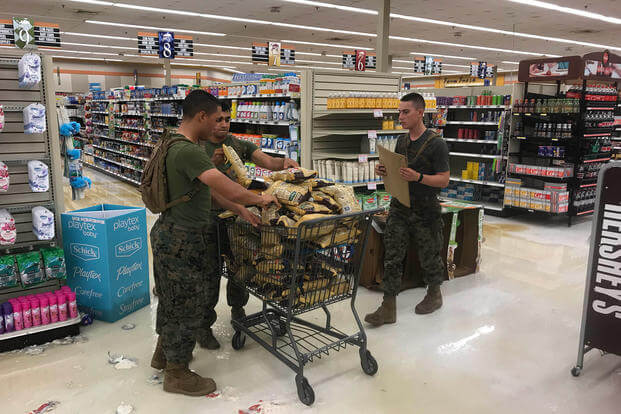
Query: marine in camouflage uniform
421, 223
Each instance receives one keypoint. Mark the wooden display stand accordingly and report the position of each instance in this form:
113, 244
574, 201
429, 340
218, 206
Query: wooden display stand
465, 257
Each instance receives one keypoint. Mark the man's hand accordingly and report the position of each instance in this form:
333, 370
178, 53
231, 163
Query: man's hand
249, 217
409, 174
267, 199
380, 170
289, 163
218, 157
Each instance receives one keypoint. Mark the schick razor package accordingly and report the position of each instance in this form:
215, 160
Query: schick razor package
29, 266
8, 274
54, 263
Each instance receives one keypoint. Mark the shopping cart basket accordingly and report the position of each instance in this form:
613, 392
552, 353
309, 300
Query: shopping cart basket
294, 271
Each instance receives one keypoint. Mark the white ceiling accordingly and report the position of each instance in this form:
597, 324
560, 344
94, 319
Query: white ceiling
497, 14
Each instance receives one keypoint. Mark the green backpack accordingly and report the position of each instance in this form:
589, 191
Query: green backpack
153, 183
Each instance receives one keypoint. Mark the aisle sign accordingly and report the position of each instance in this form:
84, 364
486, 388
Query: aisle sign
274, 54
7, 38
482, 70
287, 55
166, 45
260, 53
427, 65
44, 34
23, 32
148, 44
361, 60
371, 61
349, 59
184, 46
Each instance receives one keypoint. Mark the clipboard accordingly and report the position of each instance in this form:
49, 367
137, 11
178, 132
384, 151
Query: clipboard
395, 185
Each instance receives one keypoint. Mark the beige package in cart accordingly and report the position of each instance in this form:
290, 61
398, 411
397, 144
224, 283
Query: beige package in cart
308, 207
344, 196
287, 193
237, 165
293, 175
325, 200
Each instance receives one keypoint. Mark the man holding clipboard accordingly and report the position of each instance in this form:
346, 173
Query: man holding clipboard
427, 172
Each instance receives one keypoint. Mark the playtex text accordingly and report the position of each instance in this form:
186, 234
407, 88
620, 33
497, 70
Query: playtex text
606, 299
108, 261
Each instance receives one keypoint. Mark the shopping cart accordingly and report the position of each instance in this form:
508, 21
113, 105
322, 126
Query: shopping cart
294, 271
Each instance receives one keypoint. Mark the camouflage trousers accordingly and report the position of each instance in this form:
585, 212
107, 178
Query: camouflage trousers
183, 262
421, 224
235, 296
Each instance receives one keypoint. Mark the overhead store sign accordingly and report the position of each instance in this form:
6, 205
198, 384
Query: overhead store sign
273, 54
349, 60
37, 33
427, 65
361, 61
149, 45
166, 45
264, 53
482, 70
184, 46
602, 65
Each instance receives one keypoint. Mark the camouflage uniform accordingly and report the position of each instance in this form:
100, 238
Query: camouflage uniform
421, 223
184, 259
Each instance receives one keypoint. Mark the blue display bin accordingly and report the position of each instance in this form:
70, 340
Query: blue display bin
106, 250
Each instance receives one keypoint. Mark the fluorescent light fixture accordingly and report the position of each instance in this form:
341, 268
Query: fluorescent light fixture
96, 2
576, 12
167, 29
97, 35
86, 58
445, 56
85, 52
319, 63
495, 49
222, 46
332, 6
325, 44
101, 46
307, 53
222, 54
510, 63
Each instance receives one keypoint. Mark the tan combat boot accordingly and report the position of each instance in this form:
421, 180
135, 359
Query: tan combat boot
159, 359
386, 313
178, 379
432, 301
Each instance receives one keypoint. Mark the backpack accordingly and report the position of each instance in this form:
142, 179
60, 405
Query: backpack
153, 183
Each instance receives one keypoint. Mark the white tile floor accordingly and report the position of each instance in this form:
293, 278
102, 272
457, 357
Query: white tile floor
504, 342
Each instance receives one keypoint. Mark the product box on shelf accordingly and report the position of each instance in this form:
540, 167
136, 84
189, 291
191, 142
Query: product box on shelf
107, 259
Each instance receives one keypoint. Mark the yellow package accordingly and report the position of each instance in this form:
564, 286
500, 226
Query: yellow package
308, 207
289, 194
325, 200
344, 196
269, 215
341, 235
293, 175
270, 266
316, 231
237, 165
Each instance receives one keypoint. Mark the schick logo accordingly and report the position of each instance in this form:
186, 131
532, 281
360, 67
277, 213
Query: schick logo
128, 248
85, 252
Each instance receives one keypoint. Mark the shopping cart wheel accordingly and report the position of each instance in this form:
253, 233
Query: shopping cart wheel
239, 339
369, 364
305, 391
575, 371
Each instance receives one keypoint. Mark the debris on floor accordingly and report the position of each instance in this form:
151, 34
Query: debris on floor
128, 326
34, 350
45, 408
124, 409
155, 379
262, 407
121, 361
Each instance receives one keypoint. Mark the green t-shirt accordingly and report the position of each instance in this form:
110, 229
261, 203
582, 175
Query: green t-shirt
243, 148
433, 160
185, 161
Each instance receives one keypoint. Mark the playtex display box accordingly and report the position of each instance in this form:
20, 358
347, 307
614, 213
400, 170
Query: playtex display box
107, 259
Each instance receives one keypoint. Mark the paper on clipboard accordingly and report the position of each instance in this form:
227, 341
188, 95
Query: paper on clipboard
395, 185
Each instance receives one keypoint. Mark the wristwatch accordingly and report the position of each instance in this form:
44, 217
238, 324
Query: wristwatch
420, 177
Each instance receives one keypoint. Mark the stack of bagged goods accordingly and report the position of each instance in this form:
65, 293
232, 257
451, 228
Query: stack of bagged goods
42, 223
1, 118
29, 70
38, 176
26, 267
34, 119
263, 258
8, 231
4, 177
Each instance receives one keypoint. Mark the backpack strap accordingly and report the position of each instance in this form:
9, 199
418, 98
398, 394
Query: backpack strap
190, 194
422, 148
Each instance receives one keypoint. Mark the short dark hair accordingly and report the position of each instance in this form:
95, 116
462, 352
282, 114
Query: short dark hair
416, 98
198, 100
225, 107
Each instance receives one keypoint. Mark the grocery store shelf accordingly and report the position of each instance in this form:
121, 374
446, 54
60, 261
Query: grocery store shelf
117, 163
588, 185
100, 112
471, 141
40, 328
584, 212
485, 204
131, 128
130, 113
468, 154
473, 106
321, 155
490, 183
144, 144
158, 115
353, 111
122, 177
326, 132
542, 177
471, 123
101, 124
273, 151
259, 122
294, 95
541, 138
546, 113
364, 184
531, 210
596, 160
121, 153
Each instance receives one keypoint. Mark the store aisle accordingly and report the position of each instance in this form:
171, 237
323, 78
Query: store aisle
504, 342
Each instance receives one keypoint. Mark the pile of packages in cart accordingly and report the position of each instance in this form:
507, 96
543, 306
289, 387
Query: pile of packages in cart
263, 259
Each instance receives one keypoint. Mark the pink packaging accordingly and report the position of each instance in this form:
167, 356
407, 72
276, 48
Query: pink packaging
53, 308
62, 306
27, 313
35, 311
45, 309
65, 289
18, 321
73, 305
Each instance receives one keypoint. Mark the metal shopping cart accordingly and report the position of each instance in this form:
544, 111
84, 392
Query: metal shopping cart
294, 271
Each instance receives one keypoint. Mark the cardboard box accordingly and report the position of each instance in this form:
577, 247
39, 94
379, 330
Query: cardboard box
106, 250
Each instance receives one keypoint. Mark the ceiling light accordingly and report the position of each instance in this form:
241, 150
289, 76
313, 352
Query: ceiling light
222, 54
86, 58
222, 46
103, 46
135, 26
434, 42
97, 2
332, 6
307, 53
316, 62
577, 12
96, 35
325, 44
85, 52
445, 56
510, 63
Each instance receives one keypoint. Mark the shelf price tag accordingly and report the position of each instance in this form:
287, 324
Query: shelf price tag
363, 158
372, 186
378, 113
372, 133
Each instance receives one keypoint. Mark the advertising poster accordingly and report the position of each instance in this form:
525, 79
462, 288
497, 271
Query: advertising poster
274, 54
